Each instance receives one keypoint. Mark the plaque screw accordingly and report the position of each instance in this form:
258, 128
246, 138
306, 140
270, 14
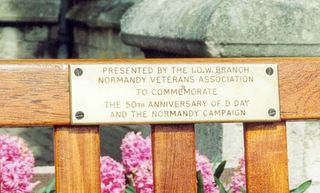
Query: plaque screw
272, 112
78, 71
79, 115
269, 71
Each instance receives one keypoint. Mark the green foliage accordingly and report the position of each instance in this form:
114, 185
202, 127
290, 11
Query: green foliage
129, 189
243, 190
50, 188
302, 188
221, 186
220, 169
217, 174
200, 182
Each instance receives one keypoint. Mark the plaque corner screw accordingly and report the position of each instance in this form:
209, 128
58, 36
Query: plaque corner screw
272, 112
79, 115
269, 71
78, 71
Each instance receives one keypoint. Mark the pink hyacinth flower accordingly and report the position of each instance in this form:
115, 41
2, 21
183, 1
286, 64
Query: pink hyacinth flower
16, 165
112, 176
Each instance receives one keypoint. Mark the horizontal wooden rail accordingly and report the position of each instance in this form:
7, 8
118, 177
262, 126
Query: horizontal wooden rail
32, 92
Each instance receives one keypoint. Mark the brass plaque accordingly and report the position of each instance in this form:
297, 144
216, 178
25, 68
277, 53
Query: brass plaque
173, 93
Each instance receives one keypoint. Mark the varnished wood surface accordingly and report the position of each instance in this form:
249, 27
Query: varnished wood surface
266, 157
77, 159
36, 92
174, 163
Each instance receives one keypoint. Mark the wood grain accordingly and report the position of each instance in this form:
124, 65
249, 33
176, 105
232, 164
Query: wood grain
299, 90
36, 92
77, 159
266, 157
174, 162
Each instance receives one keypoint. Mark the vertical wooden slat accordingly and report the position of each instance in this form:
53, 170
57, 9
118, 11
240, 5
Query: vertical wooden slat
77, 159
266, 157
174, 164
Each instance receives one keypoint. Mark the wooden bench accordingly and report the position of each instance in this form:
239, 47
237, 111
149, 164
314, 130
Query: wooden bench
36, 93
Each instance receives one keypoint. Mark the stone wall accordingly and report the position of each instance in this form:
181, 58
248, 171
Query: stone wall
96, 30
27, 41
228, 28
101, 43
28, 34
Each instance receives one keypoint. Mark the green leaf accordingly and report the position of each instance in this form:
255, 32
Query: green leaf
200, 182
42, 190
223, 190
220, 185
243, 190
303, 187
220, 169
51, 187
130, 189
